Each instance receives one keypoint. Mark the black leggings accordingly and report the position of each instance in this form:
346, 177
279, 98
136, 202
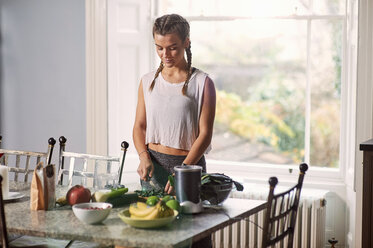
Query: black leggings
168, 162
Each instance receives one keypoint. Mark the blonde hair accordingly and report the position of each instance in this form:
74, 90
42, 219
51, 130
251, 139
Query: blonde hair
174, 24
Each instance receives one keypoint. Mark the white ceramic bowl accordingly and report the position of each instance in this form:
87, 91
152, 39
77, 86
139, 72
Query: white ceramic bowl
93, 212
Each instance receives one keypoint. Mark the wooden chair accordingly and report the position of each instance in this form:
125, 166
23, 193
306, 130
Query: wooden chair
79, 165
7, 242
4, 233
281, 213
24, 162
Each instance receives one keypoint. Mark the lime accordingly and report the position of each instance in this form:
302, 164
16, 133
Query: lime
174, 204
167, 198
152, 200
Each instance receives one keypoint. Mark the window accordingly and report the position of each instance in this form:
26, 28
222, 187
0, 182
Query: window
277, 68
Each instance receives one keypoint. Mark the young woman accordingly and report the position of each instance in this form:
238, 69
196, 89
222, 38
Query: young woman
176, 107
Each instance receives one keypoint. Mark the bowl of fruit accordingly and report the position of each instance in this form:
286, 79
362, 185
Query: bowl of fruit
153, 213
92, 212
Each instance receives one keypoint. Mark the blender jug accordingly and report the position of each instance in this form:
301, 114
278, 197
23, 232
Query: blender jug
188, 188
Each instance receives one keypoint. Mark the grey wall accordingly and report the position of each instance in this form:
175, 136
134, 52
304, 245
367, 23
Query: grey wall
42, 73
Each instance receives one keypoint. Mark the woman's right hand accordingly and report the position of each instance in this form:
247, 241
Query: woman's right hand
146, 168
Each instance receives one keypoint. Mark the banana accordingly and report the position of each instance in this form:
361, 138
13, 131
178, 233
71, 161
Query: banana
154, 214
136, 218
61, 201
161, 212
140, 212
142, 205
168, 212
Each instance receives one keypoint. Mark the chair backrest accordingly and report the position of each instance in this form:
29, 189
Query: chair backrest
88, 165
281, 213
24, 162
4, 233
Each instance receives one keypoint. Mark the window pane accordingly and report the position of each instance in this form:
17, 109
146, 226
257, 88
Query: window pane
326, 66
329, 7
259, 69
259, 66
234, 7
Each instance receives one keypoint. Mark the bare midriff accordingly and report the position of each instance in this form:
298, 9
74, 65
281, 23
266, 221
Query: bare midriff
167, 150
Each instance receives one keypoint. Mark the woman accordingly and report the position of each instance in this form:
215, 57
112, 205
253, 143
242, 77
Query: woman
176, 107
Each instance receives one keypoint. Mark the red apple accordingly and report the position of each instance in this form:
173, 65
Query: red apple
78, 194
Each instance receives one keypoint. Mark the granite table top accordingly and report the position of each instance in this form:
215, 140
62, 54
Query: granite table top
61, 223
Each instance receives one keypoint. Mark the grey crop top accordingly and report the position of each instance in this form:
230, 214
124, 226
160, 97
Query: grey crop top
172, 118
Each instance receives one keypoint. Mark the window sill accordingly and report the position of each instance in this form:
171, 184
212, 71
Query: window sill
316, 178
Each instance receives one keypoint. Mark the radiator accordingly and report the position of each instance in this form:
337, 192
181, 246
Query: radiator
247, 233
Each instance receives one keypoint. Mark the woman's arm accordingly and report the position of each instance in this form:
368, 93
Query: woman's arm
139, 129
206, 123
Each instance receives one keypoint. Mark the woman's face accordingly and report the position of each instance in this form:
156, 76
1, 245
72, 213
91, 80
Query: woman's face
170, 49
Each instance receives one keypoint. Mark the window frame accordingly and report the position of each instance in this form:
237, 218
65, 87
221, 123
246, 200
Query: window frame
317, 177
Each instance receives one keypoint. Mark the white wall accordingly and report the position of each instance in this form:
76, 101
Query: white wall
42, 69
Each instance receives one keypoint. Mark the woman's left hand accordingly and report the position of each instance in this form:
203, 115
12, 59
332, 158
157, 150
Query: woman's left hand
168, 189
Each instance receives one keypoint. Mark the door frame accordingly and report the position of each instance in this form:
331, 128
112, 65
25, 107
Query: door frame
96, 77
